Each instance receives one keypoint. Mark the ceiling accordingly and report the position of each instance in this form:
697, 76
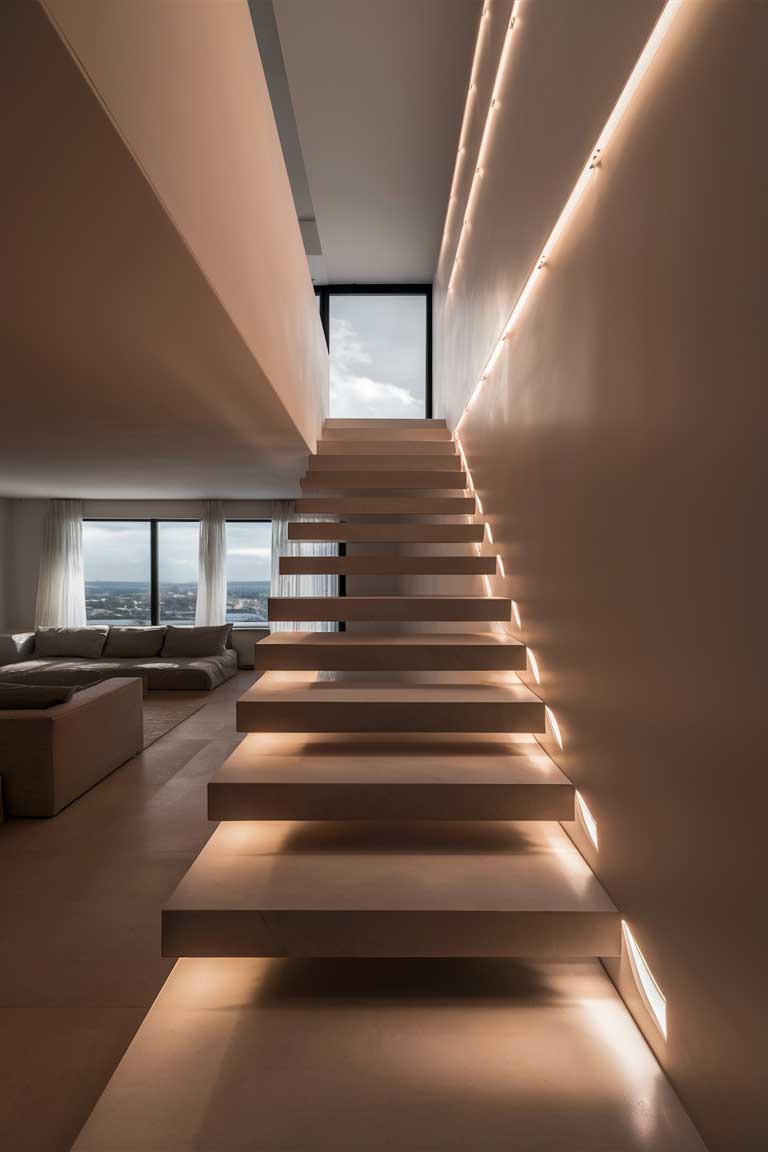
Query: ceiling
369, 118
123, 374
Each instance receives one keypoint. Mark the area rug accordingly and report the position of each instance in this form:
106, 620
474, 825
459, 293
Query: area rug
163, 714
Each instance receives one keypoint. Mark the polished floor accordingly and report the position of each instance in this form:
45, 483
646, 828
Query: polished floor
106, 1047
80, 899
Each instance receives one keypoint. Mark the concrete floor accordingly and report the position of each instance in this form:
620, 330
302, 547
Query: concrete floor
80, 899
268, 1055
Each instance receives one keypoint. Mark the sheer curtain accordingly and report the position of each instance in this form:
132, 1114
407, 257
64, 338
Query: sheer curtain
211, 605
282, 512
61, 581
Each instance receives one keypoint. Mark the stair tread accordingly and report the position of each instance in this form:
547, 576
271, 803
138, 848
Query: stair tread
334, 422
415, 608
361, 480
385, 463
390, 639
382, 531
508, 866
394, 759
302, 686
388, 564
388, 505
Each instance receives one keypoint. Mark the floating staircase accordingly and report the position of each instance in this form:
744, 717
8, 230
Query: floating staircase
390, 798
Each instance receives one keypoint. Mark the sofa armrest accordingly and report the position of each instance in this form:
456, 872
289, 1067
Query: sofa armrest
16, 646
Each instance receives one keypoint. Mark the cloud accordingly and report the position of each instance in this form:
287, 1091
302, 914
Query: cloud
353, 391
266, 552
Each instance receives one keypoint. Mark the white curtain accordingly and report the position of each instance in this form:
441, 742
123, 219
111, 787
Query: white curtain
282, 512
61, 581
211, 605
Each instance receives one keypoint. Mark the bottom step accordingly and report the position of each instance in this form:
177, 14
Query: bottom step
370, 1056
437, 889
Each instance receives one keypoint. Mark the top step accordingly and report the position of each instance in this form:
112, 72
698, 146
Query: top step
346, 423
378, 433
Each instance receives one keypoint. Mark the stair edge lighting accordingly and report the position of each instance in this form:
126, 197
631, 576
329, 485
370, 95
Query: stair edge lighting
652, 996
596, 154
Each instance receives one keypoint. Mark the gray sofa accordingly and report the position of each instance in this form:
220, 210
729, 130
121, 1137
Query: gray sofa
50, 756
165, 658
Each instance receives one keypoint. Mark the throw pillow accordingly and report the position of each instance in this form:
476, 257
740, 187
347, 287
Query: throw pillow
196, 641
85, 643
134, 643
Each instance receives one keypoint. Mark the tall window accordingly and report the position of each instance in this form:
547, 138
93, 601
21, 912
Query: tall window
249, 563
379, 354
118, 571
145, 571
177, 547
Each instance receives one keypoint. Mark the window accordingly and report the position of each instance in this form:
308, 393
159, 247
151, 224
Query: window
249, 564
145, 571
118, 571
177, 545
380, 352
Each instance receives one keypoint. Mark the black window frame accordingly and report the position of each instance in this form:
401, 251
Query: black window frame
154, 555
325, 291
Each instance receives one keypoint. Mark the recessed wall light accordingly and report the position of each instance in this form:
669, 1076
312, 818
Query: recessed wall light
653, 998
554, 726
588, 821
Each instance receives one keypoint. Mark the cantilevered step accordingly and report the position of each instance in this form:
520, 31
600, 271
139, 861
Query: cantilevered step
416, 608
396, 424
388, 505
396, 447
353, 889
347, 435
378, 531
304, 702
378, 564
359, 478
393, 651
389, 777
371, 463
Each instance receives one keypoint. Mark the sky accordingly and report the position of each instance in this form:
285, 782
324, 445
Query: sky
119, 550
378, 356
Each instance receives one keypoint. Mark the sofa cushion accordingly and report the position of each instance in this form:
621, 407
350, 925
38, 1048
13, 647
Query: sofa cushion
134, 643
60, 674
190, 674
85, 643
15, 646
195, 641
18, 696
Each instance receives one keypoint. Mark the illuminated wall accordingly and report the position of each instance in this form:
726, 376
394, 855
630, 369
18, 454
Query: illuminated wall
617, 449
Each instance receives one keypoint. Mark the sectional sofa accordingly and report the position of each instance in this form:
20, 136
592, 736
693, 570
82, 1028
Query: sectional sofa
165, 657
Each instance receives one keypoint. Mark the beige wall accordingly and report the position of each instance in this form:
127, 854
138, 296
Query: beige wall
5, 528
184, 85
619, 450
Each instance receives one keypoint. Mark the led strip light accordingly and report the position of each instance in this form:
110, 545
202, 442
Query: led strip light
670, 10
484, 24
492, 108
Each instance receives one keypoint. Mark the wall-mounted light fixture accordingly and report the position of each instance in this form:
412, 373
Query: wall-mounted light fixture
653, 998
553, 724
596, 156
588, 822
